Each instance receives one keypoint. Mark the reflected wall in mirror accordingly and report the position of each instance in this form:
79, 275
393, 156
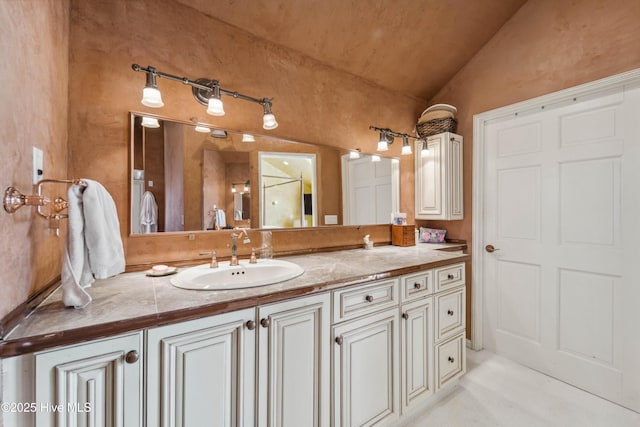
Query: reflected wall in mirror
287, 185
183, 180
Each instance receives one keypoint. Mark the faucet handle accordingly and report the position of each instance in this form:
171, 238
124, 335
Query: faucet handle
253, 258
214, 260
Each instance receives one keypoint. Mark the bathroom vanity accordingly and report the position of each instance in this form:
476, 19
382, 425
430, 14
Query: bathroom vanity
363, 337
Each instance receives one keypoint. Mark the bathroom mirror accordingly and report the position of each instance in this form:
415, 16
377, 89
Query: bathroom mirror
184, 180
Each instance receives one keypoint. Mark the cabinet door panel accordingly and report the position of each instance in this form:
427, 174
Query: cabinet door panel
416, 352
202, 372
294, 363
90, 384
366, 370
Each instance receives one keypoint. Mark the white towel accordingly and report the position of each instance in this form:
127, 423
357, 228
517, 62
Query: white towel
94, 246
148, 213
221, 219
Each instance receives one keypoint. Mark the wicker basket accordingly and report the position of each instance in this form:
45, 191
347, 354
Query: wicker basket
435, 126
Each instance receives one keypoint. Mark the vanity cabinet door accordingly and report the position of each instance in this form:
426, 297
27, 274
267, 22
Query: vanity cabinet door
365, 370
93, 384
202, 372
293, 362
439, 178
416, 353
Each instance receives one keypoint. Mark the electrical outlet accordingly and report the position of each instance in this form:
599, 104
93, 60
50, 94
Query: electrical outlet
38, 165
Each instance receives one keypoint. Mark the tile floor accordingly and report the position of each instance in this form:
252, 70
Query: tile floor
497, 392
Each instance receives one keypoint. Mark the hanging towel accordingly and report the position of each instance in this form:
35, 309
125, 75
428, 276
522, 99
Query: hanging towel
148, 213
94, 246
221, 219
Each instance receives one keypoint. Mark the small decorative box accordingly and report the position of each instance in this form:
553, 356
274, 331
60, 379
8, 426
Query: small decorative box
403, 235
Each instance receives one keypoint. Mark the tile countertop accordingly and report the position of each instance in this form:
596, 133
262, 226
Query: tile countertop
133, 301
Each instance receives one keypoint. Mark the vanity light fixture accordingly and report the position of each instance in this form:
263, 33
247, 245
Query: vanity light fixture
205, 91
425, 148
151, 96
150, 122
354, 154
246, 186
387, 136
247, 137
406, 148
375, 158
233, 188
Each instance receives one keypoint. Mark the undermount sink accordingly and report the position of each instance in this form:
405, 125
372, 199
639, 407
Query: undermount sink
244, 275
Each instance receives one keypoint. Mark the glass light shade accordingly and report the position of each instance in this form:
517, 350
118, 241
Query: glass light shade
246, 187
406, 150
354, 155
150, 122
151, 97
202, 129
375, 158
246, 137
233, 188
269, 121
425, 148
383, 145
215, 107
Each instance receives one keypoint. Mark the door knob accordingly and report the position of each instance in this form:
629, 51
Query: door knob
490, 248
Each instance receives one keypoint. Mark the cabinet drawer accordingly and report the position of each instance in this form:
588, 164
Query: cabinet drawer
354, 302
449, 277
450, 313
450, 360
416, 286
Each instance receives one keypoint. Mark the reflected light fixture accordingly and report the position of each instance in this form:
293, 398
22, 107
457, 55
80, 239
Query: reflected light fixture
246, 186
233, 188
202, 129
206, 91
354, 154
375, 158
150, 122
387, 136
247, 137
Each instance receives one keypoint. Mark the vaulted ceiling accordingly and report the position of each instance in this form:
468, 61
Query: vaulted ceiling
413, 47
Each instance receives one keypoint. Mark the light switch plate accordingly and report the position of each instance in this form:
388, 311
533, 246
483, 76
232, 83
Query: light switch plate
38, 165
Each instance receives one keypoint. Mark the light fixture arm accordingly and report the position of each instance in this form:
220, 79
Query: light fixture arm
202, 88
389, 133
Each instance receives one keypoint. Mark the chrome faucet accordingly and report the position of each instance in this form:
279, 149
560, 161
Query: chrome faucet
234, 245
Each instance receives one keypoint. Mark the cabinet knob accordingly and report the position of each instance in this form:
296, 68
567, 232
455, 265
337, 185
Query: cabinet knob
339, 340
451, 359
405, 316
132, 357
450, 276
450, 312
251, 325
417, 285
369, 298
265, 323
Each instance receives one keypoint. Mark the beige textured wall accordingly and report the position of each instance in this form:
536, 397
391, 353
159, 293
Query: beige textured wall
547, 46
313, 102
33, 112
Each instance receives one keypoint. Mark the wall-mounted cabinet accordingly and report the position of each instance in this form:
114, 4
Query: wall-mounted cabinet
438, 174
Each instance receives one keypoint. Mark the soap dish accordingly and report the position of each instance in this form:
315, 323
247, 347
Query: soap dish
167, 272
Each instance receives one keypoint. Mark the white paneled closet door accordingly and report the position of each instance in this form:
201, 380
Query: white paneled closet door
562, 210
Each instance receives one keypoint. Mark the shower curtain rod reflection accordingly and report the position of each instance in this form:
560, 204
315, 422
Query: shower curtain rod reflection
291, 180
